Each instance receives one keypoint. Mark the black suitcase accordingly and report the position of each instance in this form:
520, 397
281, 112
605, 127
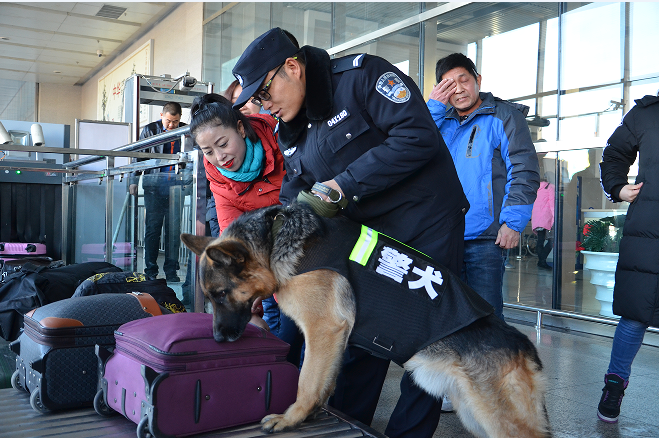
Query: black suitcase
56, 360
35, 286
10, 266
124, 282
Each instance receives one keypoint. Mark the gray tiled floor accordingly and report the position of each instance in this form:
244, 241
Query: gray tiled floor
575, 364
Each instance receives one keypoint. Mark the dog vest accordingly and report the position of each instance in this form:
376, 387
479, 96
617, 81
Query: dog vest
405, 301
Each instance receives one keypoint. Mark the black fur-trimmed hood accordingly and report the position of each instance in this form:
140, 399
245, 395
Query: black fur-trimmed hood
318, 99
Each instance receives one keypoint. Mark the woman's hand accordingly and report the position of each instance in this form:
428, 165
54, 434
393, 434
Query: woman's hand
257, 307
630, 192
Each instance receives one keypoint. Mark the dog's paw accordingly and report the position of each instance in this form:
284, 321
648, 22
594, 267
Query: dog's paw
277, 423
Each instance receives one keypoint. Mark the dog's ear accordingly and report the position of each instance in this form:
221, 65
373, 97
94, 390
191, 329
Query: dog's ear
229, 253
197, 244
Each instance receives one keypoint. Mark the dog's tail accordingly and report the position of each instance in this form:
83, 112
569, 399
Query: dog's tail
493, 375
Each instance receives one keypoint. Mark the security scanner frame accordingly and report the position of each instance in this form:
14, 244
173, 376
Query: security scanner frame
95, 205
159, 90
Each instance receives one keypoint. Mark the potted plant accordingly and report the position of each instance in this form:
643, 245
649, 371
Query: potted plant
600, 245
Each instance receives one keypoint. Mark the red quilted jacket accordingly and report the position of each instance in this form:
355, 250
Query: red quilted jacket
232, 198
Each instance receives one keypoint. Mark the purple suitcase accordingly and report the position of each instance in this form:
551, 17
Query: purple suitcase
170, 377
17, 248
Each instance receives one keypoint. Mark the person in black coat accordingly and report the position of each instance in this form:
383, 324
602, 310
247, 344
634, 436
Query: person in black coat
157, 184
360, 127
636, 292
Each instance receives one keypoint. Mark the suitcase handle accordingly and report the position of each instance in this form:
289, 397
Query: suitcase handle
148, 303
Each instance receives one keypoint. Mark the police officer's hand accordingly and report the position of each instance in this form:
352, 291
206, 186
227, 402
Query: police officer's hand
132, 189
331, 184
506, 237
443, 91
630, 192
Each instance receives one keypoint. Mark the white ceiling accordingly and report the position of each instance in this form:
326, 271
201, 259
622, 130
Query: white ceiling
45, 37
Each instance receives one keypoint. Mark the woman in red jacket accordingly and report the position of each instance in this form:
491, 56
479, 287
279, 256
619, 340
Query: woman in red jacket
243, 163
242, 160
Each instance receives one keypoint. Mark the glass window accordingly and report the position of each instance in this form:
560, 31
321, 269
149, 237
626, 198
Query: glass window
510, 62
352, 20
226, 37
644, 88
582, 201
549, 56
400, 48
594, 113
211, 8
310, 23
591, 45
644, 35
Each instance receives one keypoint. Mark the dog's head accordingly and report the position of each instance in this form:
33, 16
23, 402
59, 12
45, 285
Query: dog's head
231, 277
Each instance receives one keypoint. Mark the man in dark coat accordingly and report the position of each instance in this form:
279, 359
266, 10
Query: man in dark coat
636, 292
360, 127
159, 208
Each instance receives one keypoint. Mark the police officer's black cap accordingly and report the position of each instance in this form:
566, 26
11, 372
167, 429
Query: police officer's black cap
266, 53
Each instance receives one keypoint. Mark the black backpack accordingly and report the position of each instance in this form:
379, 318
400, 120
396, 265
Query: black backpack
34, 286
126, 282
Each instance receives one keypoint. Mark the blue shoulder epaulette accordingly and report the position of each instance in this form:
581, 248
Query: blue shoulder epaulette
347, 63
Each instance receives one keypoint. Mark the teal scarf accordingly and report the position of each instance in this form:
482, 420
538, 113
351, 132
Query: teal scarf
252, 165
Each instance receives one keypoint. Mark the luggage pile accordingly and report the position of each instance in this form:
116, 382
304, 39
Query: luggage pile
128, 353
13, 255
55, 355
36, 285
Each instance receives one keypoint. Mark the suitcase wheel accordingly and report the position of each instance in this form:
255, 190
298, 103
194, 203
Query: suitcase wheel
143, 428
16, 381
100, 407
35, 402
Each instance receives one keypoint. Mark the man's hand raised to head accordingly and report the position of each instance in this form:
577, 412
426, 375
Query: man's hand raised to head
443, 91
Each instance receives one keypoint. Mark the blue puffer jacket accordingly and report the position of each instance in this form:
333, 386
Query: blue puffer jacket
496, 163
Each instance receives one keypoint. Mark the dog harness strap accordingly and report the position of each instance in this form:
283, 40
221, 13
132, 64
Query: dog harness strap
334, 195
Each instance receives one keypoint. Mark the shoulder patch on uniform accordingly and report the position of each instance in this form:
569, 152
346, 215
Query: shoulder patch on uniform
393, 88
347, 63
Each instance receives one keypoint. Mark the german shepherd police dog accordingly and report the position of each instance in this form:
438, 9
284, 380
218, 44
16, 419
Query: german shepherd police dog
490, 371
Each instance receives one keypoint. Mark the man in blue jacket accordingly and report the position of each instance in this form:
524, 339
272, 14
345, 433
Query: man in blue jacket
496, 161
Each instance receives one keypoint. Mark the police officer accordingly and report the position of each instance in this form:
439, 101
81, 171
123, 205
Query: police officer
357, 129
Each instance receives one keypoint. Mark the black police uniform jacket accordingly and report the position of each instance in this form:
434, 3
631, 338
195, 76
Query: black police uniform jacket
404, 300
636, 291
365, 125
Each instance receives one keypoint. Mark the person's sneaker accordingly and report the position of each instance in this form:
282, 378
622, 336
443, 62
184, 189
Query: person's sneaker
612, 394
447, 405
